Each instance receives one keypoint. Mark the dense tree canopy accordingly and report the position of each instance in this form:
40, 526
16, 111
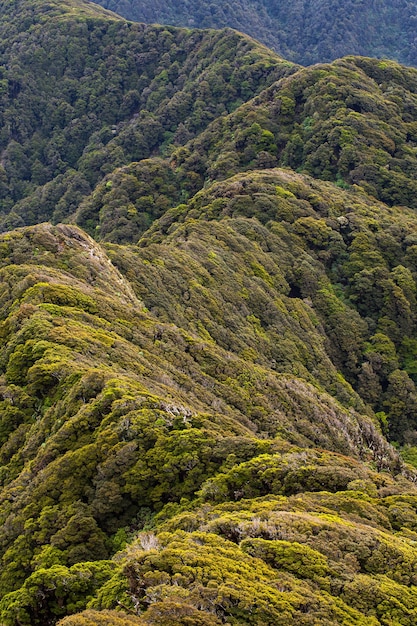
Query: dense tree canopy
305, 31
208, 346
82, 92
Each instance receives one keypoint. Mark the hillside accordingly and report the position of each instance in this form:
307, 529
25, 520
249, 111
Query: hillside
83, 91
351, 122
210, 382
303, 31
208, 329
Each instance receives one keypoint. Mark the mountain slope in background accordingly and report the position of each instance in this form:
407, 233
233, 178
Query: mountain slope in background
84, 91
303, 31
197, 397
351, 122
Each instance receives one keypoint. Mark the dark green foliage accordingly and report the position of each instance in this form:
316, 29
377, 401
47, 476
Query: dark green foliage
350, 122
85, 91
129, 200
305, 31
211, 389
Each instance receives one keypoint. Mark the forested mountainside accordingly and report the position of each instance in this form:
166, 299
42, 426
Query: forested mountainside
305, 31
208, 329
198, 393
83, 92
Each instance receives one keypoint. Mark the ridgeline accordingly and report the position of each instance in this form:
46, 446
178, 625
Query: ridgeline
208, 347
302, 30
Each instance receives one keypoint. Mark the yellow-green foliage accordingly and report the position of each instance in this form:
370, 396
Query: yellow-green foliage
210, 405
204, 571
341, 543
294, 472
119, 404
290, 556
101, 618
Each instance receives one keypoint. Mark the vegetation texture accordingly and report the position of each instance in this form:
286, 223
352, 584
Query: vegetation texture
208, 329
305, 31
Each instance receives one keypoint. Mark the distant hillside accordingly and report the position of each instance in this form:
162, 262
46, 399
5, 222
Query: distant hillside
83, 91
352, 122
303, 31
208, 329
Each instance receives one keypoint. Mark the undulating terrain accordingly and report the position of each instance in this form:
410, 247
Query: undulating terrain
208, 329
305, 31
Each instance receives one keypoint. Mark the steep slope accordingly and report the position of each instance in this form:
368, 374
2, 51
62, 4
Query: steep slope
196, 398
303, 31
214, 380
83, 91
236, 259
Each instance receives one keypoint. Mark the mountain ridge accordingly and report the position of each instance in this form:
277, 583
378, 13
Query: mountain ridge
207, 403
304, 32
71, 99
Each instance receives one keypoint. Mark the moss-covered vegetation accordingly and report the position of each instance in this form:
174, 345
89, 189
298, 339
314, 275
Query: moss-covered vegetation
197, 397
180, 393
